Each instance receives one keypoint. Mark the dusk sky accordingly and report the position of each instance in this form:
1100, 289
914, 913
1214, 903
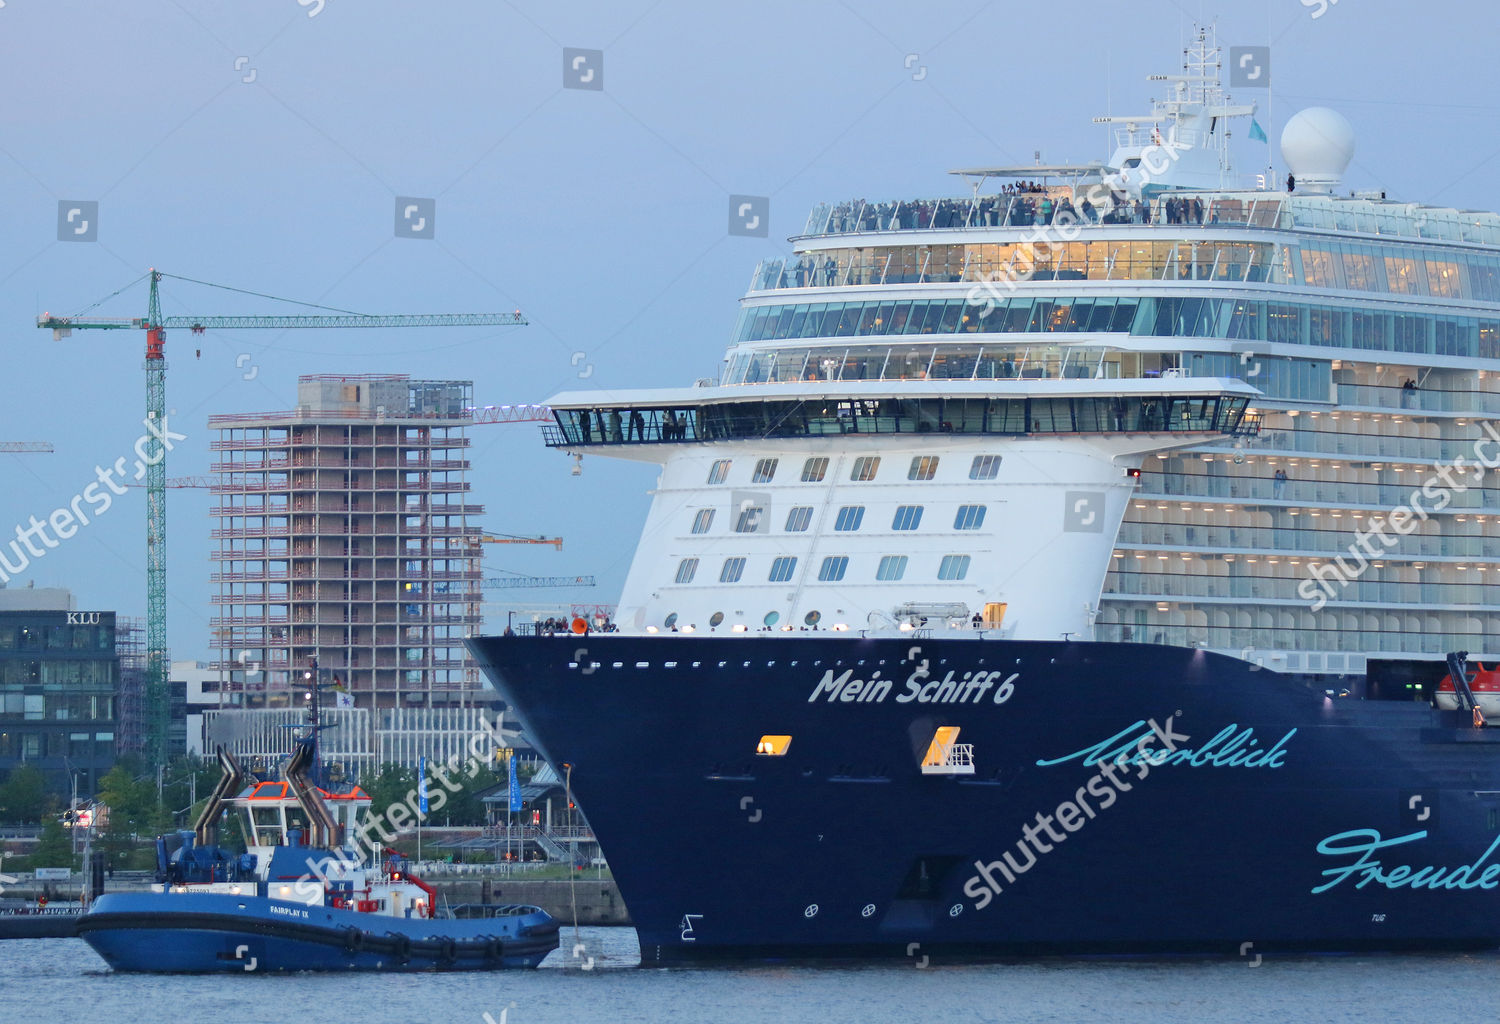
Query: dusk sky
262, 144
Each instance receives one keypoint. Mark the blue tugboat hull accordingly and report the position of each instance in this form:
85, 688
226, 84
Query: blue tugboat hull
205, 933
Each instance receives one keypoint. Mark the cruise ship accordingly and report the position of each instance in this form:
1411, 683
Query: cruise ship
1068, 564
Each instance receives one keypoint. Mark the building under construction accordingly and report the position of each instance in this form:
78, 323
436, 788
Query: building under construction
342, 533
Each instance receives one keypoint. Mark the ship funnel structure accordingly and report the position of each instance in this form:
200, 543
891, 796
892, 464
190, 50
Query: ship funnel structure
324, 829
1317, 146
206, 828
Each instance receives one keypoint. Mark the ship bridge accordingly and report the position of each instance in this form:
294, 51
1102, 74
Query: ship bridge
1172, 405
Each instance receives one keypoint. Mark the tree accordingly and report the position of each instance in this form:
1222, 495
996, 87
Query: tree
24, 797
54, 849
133, 811
393, 785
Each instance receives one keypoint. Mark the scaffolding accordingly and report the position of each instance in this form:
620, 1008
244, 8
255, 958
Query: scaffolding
130, 698
342, 533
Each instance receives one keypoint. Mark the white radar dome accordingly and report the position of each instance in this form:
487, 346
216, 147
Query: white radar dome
1317, 145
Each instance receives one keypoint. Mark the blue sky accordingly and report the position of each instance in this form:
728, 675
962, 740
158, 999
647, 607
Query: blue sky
600, 214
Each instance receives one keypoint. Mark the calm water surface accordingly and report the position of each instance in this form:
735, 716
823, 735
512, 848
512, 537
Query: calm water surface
58, 980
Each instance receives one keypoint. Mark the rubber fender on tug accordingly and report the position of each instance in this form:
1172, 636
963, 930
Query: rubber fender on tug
354, 939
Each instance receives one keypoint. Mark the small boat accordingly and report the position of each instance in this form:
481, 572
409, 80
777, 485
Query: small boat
302, 897
1484, 684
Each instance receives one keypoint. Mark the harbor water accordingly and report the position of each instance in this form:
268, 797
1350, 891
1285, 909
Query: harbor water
596, 977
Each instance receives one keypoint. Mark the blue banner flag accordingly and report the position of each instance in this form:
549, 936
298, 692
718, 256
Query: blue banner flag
1257, 133
422, 784
515, 787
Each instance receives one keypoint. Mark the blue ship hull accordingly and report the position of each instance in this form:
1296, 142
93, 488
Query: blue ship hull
215, 933
1336, 823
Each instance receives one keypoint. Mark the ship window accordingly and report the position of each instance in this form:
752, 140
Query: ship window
865, 468
798, 519
923, 467
716, 619
765, 470
772, 618
733, 569
773, 746
953, 567
984, 467
782, 569
686, 569
749, 519
849, 518
718, 471
969, 517
892, 567
907, 517
833, 568
813, 618
813, 470
670, 622
703, 520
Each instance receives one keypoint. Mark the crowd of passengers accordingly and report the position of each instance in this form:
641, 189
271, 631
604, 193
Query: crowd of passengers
1028, 204
556, 625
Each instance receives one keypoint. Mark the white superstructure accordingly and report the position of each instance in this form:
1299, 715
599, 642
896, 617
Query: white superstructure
1062, 327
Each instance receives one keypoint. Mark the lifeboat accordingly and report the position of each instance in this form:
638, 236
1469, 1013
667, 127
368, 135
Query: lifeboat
1486, 689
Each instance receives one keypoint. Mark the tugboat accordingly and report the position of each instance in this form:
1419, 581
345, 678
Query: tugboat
301, 898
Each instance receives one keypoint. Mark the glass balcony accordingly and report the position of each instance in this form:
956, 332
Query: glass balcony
1395, 639
1041, 207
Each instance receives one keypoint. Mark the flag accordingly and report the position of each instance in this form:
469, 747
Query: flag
515, 787
422, 785
1257, 133
344, 698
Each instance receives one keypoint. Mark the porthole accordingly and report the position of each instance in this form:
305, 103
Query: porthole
772, 618
670, 621
715, 618
812, 618
811, 911
869, 908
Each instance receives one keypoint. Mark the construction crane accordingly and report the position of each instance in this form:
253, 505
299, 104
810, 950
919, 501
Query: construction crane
155, 325
527, 582
23, 447
485, 537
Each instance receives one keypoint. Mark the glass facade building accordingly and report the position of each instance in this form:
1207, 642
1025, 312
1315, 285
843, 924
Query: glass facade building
59, 687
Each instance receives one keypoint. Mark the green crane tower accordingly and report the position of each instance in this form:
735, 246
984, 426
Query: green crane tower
158, 665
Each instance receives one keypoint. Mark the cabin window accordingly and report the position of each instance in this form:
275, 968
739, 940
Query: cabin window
798, 519
984, 467
733, 569
865, 468
749, 519
716, 619
773, 746
907, 517
892, 567
686, 570
849, 518
813, 618
772, 618
813, 470
969, 517
782, 569
765, 471
703, 520
923, 467
719, 471
670, 622
833, 568
953, 567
